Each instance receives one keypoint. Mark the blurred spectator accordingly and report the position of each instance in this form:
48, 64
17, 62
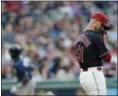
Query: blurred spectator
48, 31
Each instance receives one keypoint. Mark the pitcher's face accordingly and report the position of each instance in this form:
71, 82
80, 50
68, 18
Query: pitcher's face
98, 25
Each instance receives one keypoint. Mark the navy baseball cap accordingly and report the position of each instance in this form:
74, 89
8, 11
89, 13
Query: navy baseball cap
102, 18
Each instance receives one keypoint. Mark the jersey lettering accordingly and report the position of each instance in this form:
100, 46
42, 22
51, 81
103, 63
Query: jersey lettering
79, 53
85, 40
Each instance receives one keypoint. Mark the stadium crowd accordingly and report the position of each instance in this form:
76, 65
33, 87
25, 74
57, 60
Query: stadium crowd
48, 32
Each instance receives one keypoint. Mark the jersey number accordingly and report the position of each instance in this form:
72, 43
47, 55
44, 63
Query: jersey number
80, 53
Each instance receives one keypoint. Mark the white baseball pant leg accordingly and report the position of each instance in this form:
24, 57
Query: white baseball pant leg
93, 82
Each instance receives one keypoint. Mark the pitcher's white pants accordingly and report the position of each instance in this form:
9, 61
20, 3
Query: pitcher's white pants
93, 81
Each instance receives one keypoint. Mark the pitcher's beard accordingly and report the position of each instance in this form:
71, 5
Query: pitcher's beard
99, 30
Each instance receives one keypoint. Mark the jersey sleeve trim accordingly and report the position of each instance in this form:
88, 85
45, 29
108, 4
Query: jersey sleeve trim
103, 54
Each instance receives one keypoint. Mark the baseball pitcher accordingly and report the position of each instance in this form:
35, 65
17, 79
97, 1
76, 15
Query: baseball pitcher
91, 51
